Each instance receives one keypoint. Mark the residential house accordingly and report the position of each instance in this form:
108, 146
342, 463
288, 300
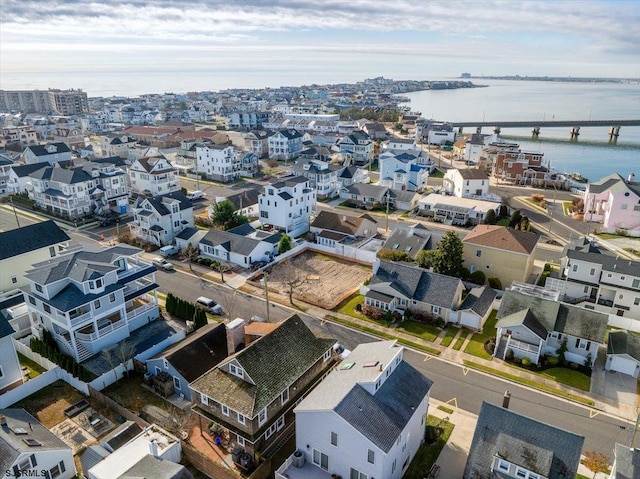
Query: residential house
331, 228
159, 219
117, 145
593, 278
253, 119
474, 148
440, 133
401, 171
14, 310
190, 237
27, 448
323, 177
368, 196
257, 141
285, 144
623, 353
452, 210
532, 326
251, 395
153, 177
319, 153
242, 245
412, 239
50, 153
520, 167
90, 301
626, 463
19, 181
352, 174
111, 192
287, 204
70, 135
476, 307
21, 135
402, 144
154, 452
501, 252
506, 444
466, 183
356, 148
189, 359
10, 369
375, 130
68, 192
244, 202
366, 419
219, 162
615, 203
5, 170
400, 286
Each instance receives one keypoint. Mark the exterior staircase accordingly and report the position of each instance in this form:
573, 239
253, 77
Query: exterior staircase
501, 347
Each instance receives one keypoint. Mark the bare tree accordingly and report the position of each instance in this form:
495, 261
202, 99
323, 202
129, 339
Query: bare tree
221, 268
596, 462
109, 356
124, 352
291, 274
191, 253
175, 419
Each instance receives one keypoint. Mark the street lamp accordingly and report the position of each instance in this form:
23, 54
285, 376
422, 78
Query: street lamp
555, 190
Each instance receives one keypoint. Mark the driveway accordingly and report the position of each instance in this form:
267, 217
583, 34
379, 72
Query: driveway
621, 387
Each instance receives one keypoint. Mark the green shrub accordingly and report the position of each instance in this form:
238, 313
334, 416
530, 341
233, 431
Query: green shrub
526, 361
494, 283
478, 277
552, 361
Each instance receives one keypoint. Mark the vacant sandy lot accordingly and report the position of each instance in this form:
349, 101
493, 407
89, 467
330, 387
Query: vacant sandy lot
320, 279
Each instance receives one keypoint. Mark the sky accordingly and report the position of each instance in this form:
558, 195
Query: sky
266, 42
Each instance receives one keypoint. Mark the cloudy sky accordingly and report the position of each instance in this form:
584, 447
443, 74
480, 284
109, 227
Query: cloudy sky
264, 41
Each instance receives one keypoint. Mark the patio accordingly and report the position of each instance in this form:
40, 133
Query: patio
72, 435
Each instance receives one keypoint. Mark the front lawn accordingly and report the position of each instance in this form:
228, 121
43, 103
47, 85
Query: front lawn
424, 331
427, 454
348, 306
461, 339
569, 377
503, 222
476, 343
451, 333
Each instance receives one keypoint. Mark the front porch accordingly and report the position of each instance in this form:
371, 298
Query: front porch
520, 349
297, 468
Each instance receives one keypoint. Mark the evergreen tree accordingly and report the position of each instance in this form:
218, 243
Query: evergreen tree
284, 244
516, 216
225, 215
448, 256
491, 218
199, 318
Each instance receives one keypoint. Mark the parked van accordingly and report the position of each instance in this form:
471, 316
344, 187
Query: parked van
210, 305
195, 195
169, 250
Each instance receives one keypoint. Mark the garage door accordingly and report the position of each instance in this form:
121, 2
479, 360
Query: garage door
469, 319
623, 365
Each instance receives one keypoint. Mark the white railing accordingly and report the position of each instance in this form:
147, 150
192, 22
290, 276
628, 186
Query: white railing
285, 465
133, 268
138, 311
129, 288
102, 331
530, 348
80, 318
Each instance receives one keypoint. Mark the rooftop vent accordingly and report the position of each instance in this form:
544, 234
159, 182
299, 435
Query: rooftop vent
370, 364
19, 431
32, 443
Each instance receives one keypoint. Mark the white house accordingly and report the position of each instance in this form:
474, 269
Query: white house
439, 134
10, 369
117, 145
456, 211
350, 175
5, 168
474, 148
626, 462
614, 202
153, 177
593, 279
356, 148
159, 219
395, 143
29, 449
242, 245
466, 183
287, 204
90, 301
50, 153
401, 171
62, 191
285, 144
331, 228
111, 191
623, 353
532, 326
19, 180
218, 162
322, 176
366, 419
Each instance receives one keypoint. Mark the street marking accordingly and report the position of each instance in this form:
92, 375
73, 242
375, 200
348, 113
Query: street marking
322, 322
427, 357
454, 402
465, 371
593, 413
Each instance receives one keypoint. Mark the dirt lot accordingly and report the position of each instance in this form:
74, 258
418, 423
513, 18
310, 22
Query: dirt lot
320, 279
45, 408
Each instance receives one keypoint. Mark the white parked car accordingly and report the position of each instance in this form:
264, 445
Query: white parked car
162, 263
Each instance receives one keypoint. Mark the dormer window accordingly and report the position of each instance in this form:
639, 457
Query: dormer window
236, 370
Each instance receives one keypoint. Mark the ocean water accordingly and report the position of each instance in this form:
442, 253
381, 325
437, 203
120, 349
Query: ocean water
592, 155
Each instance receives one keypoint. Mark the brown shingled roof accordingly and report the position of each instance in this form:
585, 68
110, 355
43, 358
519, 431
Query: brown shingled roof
502, 238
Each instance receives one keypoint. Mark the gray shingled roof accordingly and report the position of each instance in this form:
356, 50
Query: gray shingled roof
152, 467
158, 202
340, 223
41, 150
368, 190
609, 263
627, 462
554, 316
237, 243
26, 170
5, 327
479, 300
615, 183
416, 237
473, 174
523, 318
415, 283
624, 342
30, 238
546, 450
296, 350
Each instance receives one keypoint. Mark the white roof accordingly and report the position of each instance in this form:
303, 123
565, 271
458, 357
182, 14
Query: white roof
479, 205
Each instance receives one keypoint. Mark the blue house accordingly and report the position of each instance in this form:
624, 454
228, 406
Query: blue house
187, 360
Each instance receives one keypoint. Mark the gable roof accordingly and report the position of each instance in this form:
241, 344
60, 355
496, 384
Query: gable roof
349, 225
627, 462
624, 342
244, 199
199, 352
479, 300
413, 282
30, 238
506, 239
158, 202
472, 174
41, 150
412, 239
546, 450
608, 262
296, 348
368, 190
554, 316
25, 170
615, 183
153, 467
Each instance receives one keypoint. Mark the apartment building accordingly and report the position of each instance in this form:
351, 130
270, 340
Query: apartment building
287, 204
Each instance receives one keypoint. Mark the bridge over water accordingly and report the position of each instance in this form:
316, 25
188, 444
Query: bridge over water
535, 125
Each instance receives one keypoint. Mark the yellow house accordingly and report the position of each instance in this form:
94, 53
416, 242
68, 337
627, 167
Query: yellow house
22, 247
500, 252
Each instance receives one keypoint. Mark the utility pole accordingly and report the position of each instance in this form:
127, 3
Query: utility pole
555, 190
266, 293
14, 210
388, 195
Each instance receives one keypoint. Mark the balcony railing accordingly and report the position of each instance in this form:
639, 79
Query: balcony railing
140, 310
79, 318
529, 348
111, 327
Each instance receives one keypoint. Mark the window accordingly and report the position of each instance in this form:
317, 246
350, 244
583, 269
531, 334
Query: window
14, 280
57, 470
99, 283
436, 309
326, 356
1, 372
321, 459
96, 304
503, 465
32, 300
240, 441
284, 397
264, 214
371, 457
112, 297
575, 268
204, 399
592, 271
236, 370
46, 307
623, 206
478, 253
262, 417
334, 439
636, 302
241, 418
52, 251
635, 284
355, 474
38, 288
521, 472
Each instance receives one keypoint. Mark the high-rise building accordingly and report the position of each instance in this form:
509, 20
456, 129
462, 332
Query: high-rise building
64, 102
